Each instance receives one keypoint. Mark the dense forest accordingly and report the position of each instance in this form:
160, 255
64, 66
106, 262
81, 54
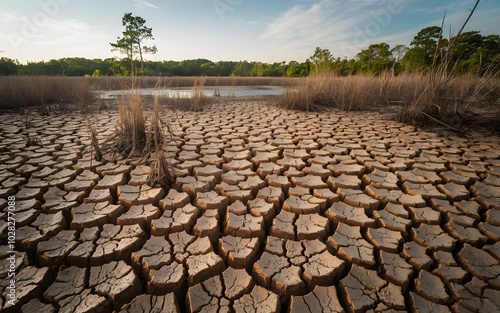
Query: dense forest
472, 53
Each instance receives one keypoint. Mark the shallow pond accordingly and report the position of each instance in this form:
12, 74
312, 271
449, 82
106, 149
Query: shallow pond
223, 91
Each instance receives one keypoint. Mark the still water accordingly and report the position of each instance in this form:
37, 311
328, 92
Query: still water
223, 91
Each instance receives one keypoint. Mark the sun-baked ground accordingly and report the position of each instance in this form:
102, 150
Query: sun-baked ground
272, 210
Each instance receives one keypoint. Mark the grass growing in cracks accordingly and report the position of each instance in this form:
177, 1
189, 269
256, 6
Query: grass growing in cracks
143, 137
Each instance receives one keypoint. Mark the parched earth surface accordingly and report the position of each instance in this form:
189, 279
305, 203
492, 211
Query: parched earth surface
272, 210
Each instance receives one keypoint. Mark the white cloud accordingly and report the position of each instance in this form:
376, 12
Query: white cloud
142, 3
8, 17
293, 23
50, 37
344, 27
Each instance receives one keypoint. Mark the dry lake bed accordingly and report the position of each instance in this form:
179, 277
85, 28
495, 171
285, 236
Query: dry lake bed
272, 210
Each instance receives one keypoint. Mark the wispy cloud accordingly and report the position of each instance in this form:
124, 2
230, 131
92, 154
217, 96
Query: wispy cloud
443, 8
345, 27
359, 4
20, 34
253, 22
141, 4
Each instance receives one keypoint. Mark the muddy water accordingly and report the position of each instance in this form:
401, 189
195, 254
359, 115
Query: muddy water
272, 209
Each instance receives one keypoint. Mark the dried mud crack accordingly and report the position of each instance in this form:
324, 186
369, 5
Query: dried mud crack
272, 211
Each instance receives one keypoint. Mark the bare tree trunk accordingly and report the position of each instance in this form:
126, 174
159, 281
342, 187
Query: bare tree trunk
142, 60
131, 54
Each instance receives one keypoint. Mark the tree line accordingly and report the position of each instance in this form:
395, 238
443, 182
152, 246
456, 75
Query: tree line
471, 52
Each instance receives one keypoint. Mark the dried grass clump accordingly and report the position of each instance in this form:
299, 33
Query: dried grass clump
162, 171
134, 137
129, 139
159, 135
198, 98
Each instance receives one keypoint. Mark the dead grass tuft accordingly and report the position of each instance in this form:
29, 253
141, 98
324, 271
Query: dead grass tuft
198, 98
159, 135
137, 137
129, 139
162, 171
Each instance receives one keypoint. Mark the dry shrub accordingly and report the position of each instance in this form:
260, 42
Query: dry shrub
176, 102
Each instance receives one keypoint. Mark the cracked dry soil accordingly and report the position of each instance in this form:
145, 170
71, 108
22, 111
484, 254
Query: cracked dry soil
273, 210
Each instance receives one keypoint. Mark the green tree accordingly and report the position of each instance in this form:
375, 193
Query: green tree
223, 68
375, 59
296, 69
464, 48
276, 69
423, 49
484, 57
258, 69
8, 66
427, 39
242, 68
344, 67
321, 60
489, 53
132, 42
467, 44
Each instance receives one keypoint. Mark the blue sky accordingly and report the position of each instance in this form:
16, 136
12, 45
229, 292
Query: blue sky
253, 30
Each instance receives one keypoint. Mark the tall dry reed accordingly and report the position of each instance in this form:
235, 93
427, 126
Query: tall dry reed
26, 91
347, 93
445, 99
159, 135
198, 98
143, 136
129, 138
